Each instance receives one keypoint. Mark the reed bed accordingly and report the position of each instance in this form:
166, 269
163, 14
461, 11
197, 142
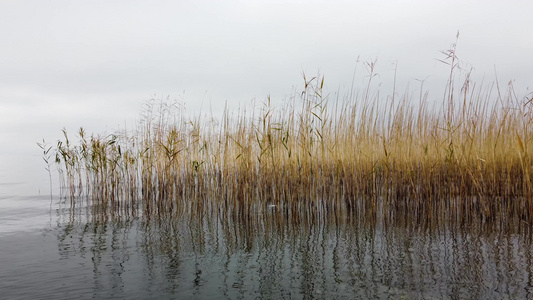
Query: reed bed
466, 157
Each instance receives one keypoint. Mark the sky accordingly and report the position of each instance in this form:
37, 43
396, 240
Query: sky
94, 63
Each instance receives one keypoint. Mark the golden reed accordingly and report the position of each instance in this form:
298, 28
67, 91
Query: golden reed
469, 158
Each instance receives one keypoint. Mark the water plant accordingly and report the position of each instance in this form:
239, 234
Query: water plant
319, 156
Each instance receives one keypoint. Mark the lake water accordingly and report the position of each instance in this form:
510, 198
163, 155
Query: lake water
51, 250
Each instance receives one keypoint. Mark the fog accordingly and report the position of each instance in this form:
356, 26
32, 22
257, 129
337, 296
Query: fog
66, 64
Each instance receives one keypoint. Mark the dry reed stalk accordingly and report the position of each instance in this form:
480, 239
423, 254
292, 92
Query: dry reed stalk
470, 158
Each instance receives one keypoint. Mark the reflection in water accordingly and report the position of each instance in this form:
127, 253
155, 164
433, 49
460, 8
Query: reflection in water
352, 254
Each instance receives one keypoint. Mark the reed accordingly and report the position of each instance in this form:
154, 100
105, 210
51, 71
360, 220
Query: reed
318, 156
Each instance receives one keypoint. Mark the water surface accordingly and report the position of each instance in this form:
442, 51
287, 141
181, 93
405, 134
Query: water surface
49, 249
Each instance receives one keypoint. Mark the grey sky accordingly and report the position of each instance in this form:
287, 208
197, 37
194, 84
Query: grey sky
93, 63
242, 49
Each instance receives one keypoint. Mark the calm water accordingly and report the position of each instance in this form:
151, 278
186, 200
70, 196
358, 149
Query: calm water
49, 250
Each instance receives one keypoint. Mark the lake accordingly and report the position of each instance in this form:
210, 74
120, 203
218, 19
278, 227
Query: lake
51, 249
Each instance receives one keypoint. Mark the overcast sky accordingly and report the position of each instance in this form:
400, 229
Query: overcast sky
93, 63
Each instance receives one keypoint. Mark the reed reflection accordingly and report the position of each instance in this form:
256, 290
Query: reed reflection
358, 252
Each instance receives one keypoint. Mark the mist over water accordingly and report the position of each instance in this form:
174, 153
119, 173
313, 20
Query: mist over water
94, 64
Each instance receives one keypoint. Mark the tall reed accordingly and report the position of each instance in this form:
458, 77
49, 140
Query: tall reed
470, 158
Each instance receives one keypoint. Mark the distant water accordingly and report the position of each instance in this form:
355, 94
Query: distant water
49, 250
